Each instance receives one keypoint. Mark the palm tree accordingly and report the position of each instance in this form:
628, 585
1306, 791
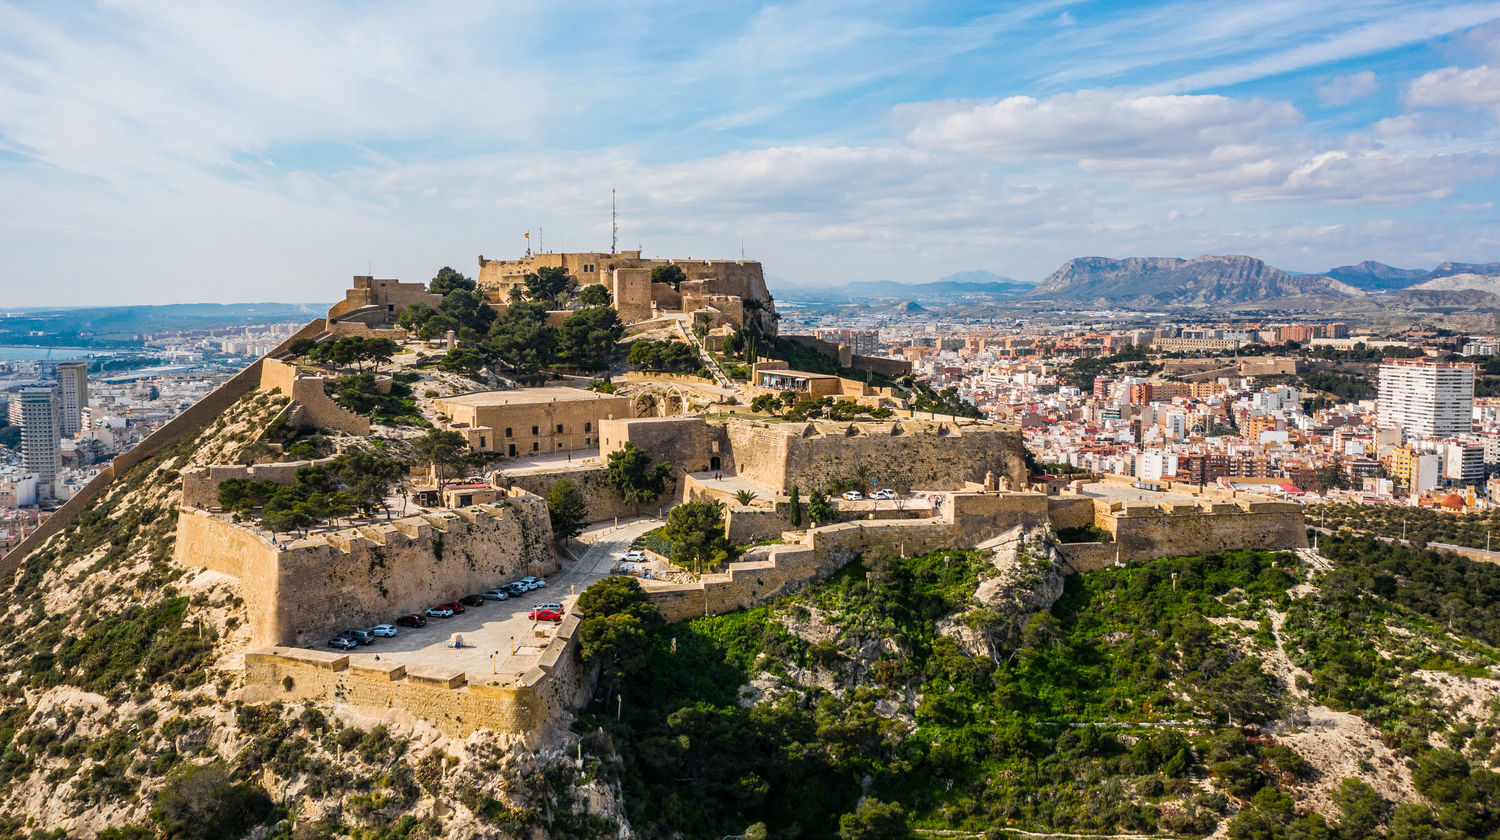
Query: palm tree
745, 497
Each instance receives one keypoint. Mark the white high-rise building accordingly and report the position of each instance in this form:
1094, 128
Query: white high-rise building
1427, 398
35, 412
73, 395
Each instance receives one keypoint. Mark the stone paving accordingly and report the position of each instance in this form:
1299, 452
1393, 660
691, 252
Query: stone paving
498, 638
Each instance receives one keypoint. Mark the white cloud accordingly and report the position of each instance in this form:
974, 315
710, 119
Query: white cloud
1346, 89
1477, 88
1243, 149
1095, 124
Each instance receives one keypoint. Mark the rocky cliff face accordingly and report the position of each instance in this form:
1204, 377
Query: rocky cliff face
1165, 281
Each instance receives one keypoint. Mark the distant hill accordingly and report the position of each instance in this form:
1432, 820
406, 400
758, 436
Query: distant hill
1379, 277
1375, 276
955, 287
1207, 281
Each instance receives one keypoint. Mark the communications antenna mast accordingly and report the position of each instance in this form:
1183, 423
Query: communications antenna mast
614, 225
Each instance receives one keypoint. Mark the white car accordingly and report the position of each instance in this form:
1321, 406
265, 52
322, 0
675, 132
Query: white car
534, 582
884, 495
438, 612
387, 630
854, 496
634, 557
495, 595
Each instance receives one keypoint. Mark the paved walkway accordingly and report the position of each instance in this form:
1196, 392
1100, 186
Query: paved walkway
500, 642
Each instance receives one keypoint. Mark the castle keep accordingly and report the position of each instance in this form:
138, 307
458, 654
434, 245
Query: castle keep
721, 291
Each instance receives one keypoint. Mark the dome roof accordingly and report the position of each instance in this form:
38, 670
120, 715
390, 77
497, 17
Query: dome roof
1452, 500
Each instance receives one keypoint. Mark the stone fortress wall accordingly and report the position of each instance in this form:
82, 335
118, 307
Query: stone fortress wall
528, 707
903, 454
310, 406
303, 590
200, 485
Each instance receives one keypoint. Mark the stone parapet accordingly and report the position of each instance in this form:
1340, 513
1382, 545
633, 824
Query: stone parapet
298, 591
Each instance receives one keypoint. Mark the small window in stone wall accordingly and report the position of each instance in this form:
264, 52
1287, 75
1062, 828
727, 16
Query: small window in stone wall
507, 431
535, 430
559, 428
588, 427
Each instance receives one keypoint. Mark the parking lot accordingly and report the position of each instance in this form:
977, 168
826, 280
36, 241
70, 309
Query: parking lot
498, 639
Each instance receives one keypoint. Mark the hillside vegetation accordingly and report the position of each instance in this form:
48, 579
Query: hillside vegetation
1182, 696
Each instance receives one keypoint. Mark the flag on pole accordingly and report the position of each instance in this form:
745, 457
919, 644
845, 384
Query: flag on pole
527, 235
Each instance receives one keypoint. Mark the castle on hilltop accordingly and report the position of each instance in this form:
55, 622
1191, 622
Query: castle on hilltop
726, 291
719, 294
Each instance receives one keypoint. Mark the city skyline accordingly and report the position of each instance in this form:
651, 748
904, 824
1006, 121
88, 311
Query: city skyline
163, 154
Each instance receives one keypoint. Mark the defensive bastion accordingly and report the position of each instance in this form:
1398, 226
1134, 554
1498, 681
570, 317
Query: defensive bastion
303, 590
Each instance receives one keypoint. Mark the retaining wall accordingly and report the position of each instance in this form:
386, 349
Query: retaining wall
299, 592
457, 703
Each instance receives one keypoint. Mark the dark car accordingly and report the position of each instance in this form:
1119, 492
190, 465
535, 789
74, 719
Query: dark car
412, 620
364, 637
515, 589
343, 643
472, 600
456, 607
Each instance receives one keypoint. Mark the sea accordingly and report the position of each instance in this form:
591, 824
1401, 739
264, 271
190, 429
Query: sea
59, 354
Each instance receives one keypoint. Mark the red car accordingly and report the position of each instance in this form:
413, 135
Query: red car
412, 620
458, 609
545, 615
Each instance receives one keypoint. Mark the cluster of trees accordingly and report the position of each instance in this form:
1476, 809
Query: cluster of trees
463, 309
567, 509
524, 341
346, 350
358, 394
1342, 385
669, 356
797, 407
630, 474
357, 480
1417, 525
696, 530
946, 401
1081, 373
670, 274
1360, 353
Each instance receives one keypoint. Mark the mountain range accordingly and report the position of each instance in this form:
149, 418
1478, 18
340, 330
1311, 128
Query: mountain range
1201, 282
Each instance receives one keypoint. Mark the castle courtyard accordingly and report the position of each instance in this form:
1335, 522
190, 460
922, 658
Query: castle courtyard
490, 631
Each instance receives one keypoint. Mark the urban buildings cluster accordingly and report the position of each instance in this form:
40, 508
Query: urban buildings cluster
1225, 404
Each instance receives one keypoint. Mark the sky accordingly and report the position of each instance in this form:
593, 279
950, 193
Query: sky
170, 152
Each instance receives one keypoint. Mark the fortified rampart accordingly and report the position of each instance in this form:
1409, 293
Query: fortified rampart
188, 423
298, 592
965, 519
310, 405
602, 502
1145, 530
449, 699
200, 485
902, 455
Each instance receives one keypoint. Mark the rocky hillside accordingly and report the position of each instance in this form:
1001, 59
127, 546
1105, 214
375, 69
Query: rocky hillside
1150, 282
965, 693
119, 716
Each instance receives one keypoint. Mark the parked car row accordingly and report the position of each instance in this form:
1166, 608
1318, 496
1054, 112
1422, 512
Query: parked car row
884, 495
351, 639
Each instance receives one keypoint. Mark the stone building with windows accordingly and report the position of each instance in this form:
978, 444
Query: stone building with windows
532, 421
